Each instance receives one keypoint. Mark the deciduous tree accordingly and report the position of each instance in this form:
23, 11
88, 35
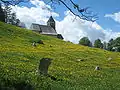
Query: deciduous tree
98, 44
110, 45
85, 41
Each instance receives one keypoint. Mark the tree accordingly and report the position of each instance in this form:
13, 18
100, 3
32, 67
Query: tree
13, 19
105, 45
7, 10
98, 44
117, 41
85, 41
116, 44
110, 45
9, 16
82, 13
22, 25
2, 14
18, 22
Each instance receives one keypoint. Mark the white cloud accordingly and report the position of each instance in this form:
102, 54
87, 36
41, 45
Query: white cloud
38, 14
115, 16
72, 30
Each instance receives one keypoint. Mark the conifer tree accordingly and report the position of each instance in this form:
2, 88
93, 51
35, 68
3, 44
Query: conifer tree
2, 14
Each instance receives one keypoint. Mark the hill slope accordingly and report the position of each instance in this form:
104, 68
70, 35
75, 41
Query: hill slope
19, 61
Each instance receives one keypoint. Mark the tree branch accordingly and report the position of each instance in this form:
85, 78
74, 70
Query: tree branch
84, 14
81, 13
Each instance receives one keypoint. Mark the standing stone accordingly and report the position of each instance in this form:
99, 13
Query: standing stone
44, 65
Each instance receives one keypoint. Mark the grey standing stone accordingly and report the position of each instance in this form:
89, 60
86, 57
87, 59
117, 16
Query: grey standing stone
44, 65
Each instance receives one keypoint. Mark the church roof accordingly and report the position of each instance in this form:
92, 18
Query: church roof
43, 29
51, 19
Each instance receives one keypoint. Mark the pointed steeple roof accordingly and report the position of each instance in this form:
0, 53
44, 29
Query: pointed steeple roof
51, 19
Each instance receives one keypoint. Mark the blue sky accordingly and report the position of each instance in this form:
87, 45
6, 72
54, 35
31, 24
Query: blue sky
105, 28
102, 7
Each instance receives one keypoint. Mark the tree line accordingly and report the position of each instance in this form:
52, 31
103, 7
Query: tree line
7, 16
112, 45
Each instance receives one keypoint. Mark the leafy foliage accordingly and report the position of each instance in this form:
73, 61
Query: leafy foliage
85, 41
110, 44
114, 45
10, 17
98, 44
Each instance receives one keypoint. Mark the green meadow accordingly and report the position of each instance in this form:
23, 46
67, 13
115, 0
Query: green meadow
73, 65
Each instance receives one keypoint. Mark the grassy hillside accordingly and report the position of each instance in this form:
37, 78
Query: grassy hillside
19, 62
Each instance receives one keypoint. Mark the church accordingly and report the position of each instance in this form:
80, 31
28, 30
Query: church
48, 29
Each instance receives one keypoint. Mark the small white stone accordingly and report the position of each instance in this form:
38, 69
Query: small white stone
79, 60
34, 44
109, 58
97, 68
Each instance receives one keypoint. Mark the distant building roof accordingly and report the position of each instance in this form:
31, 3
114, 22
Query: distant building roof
43, 29
48, 29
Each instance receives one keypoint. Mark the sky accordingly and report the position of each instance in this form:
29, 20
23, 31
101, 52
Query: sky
106, 27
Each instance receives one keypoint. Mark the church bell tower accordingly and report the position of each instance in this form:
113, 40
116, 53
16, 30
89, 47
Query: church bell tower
51, 22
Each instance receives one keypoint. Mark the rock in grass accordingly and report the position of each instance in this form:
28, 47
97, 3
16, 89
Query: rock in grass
80, 60
109, 58
50, 45
44, 65
40, 42
97, 68
34, 44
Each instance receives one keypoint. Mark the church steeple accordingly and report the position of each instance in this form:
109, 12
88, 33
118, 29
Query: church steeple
51, 22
